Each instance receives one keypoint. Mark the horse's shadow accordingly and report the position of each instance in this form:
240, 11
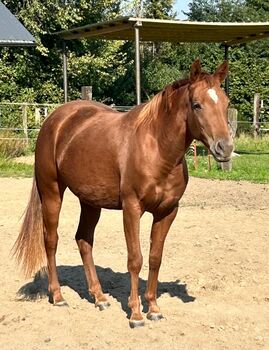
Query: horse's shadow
117, 284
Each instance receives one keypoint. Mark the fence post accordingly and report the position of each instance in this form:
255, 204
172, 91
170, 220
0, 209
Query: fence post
232, 119
86, 92
37, 116
256, 114
195, 155
24, 122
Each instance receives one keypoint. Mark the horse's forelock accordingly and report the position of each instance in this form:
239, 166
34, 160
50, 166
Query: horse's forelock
210, 80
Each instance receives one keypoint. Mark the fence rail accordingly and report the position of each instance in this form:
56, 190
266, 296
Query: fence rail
22, 121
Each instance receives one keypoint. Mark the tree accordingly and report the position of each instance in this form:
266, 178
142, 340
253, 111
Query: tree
35, 74
40, 69
249, 71
159, 9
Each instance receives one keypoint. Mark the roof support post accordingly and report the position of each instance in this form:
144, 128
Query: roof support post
137, 63
226, 57
65, 82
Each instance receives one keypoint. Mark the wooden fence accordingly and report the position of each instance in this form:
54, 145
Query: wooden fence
22, 121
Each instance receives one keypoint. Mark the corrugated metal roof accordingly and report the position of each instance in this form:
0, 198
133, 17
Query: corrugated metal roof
12, 32
171, 31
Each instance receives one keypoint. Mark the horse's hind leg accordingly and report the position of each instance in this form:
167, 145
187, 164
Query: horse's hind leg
85, 236
51, 205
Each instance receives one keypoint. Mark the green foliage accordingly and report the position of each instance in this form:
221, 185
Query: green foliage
249, 69
161, 9
35, 74
100, 68
40, 69
218, 11
249, 74
158, 74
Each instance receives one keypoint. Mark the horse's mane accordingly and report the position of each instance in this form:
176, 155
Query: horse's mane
151, 109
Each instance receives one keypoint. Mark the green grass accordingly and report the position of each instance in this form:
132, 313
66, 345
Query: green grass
9, 168
247, 144
254, 168
252, 164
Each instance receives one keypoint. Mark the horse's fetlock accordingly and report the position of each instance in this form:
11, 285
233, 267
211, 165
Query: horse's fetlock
149, 296
134, 303
95, 289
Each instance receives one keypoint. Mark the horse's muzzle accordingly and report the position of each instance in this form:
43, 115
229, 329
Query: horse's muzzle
222, 149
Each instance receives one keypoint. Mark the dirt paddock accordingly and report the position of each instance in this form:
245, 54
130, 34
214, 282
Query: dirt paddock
213, 283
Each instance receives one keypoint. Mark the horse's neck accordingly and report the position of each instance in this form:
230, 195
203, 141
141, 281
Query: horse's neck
172, 130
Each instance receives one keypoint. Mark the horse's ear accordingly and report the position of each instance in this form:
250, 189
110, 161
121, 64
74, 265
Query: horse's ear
222, 71
195, 70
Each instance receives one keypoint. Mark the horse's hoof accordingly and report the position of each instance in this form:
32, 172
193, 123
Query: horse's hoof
136, 323
154, 316
102, 305
62, 303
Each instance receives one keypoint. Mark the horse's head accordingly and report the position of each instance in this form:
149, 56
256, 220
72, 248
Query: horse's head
207, 118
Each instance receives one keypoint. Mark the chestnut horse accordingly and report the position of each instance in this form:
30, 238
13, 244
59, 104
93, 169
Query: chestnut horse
132, 161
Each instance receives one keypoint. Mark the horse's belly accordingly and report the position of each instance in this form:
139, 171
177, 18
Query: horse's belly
98, 195
93, 184
91, 174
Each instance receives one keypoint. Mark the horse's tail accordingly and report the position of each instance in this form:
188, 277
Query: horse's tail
29, 248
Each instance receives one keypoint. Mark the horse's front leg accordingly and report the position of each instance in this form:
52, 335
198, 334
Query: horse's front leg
160, 228
131, 220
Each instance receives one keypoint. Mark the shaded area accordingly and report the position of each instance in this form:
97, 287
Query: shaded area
252, 152
117, 284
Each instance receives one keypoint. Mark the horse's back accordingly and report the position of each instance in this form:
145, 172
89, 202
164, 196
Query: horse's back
73, 112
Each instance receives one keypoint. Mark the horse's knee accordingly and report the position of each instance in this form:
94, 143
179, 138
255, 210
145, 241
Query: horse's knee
135, 263
154, 261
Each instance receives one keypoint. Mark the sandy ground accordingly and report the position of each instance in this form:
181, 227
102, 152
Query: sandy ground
213, 283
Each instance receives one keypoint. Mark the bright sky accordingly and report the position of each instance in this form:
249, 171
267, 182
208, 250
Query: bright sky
181, 5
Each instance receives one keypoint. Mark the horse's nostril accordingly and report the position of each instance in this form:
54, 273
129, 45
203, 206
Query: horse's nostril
220, 146
223, 147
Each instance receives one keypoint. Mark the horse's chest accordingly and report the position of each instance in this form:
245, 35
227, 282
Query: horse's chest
163, 196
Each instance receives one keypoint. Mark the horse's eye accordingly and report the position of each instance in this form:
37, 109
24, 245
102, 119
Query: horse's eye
196, 106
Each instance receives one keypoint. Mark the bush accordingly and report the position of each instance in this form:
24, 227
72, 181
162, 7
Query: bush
248, 144
12, 144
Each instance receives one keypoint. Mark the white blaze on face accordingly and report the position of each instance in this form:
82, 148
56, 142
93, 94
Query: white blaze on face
212, 93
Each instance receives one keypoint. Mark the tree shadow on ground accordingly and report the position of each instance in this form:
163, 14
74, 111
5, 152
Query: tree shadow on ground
117, 284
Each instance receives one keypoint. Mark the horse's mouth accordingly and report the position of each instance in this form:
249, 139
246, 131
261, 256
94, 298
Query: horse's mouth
219, 156
221, 159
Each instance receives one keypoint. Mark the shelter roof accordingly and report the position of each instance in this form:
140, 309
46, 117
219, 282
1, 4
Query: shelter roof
171, 31
12, 32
